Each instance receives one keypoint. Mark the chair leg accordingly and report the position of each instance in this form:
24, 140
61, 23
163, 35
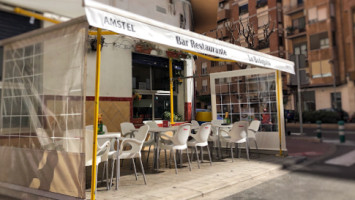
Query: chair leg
134, 167
201, 152
166, 159
198, 160
148, 154
175, 162
188, 157
107, 181
232, 152
112, 171
171, 151
140, 160
103, 172
209, 154
247, 149
180, 158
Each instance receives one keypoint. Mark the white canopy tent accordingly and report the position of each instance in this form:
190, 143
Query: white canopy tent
103, 17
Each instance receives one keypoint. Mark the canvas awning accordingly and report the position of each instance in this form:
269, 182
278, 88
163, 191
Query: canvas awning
107, 17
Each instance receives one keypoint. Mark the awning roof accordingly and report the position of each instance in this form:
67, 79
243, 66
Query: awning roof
127, 23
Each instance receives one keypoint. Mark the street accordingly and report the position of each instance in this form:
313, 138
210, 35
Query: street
314, 178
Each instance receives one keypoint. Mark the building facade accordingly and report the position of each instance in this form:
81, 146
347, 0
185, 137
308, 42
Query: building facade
232, 17
323, 32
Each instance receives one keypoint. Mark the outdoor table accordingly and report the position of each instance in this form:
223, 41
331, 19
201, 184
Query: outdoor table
218, 137
117, 137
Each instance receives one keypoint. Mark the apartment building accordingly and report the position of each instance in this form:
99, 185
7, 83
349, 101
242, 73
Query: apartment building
323, 32
232, 16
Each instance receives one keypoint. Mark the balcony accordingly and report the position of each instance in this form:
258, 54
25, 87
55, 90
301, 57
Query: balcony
290, 10
295, 32
223, 15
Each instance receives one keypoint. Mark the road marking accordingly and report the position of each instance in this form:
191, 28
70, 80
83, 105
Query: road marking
347, 159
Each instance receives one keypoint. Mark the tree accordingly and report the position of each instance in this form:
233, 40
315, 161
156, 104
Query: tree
248, 31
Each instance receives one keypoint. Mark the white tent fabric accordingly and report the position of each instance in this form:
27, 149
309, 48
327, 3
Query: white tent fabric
126, 23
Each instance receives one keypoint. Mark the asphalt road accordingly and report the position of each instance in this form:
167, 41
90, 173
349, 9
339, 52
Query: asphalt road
313, 179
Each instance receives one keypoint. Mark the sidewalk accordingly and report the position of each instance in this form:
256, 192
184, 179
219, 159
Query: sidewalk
241, 174
221, 180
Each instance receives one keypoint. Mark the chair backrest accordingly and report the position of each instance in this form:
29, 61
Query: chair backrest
126, 127
253, 128
203, 132
142, 133
182, 134
254, 125
152, 124
215, 123
43, 138
195, 123
239, 131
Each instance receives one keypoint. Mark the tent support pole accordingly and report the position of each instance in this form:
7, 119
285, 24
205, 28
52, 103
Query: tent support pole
279, 101
171, 91
96, 114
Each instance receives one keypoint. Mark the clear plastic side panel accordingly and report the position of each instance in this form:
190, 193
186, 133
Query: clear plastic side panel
245, 98
42, 115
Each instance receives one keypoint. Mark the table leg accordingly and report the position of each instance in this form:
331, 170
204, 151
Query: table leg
156, 152
117, 163
219, 145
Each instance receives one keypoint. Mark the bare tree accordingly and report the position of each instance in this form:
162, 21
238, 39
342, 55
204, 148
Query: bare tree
248, 31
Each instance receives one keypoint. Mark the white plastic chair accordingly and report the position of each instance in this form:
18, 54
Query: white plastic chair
126, 129
102, 153
136, 144
237, 135
214, 136
150, 142
200, 139
252, 131
195, 123
178, 142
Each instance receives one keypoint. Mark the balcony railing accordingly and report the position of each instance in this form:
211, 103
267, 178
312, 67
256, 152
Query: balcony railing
294, 9
295, 31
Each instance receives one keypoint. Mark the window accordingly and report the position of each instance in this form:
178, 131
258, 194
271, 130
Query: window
308, 98
204, 68
312, 15
336, 100
243, 9
321, 69
322, 13
261, 3
204, 85
262, 20
299, 24
317, 14
300, 49
319, 41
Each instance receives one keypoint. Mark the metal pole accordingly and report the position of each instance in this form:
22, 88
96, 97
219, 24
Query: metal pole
299, 92
171, 91
279, 101
96, 114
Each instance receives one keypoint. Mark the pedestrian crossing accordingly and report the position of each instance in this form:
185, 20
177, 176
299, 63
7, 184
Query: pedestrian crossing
346, 160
